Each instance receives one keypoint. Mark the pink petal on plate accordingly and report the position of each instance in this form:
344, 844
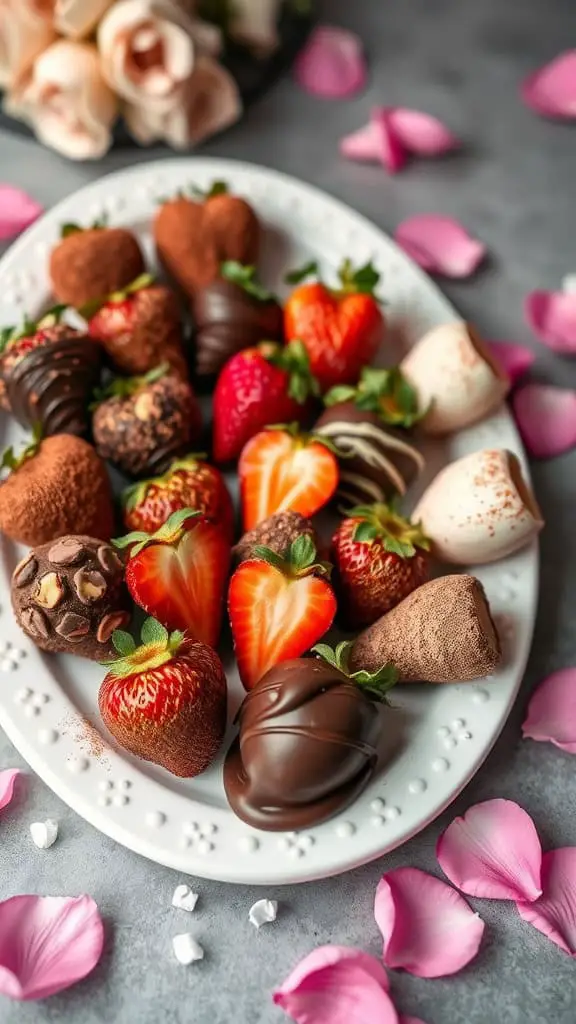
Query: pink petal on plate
332, 64
552, 317
376, 142
554, 914
7, 779
440, 245
493, 851
551, 91
515, 360
428, 928
421, 133
47, 943
337, 985
546, 418
552, 711
17, 211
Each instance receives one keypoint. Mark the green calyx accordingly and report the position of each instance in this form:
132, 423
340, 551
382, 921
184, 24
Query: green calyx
217, 188
89, 309
384, 392
298, 560
157, 646
374, 684
299, 275
125, 387
135, 494
71, 228
12, 462
293, 359
352, 281
52, 317
170, 533
381, 523
244, 276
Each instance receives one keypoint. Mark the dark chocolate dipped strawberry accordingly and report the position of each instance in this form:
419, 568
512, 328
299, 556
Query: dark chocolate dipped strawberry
139, 327
142, 424
232, 313
89, 263
48, 371
308, 741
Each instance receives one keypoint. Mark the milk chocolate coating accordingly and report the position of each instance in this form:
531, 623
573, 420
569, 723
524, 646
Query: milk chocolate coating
229, 319
277, 533
69, 596
53, 385
378, 461
307, 747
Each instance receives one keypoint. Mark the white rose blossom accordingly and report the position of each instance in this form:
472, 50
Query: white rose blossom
77, 18
255, 22
24, 33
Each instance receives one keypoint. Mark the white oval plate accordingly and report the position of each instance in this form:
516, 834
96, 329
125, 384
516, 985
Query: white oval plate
440, 735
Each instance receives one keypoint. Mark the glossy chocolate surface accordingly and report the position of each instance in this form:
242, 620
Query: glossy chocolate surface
229, 319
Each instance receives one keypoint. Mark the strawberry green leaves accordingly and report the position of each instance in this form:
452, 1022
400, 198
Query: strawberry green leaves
384, 392
374, 684
293, 359
298, 560
170, 533
157, 646
245, 277
125, 387
382, 523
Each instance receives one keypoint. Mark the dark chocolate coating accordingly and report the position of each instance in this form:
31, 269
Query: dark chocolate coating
277, 533
53, 385
307, 747
69, 596
378, 461
229, 319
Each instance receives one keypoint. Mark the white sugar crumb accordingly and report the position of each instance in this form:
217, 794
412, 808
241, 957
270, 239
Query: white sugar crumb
263, 912
186, 949
44, 833
184, 898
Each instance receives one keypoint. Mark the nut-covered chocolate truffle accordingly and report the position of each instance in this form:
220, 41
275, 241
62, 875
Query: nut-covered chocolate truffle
89, 264
277, 533
69, 596
61, 487
230, 317
145, 425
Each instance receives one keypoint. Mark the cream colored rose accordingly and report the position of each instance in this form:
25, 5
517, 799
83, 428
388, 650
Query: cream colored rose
66, 101
255, 22
206, 104
77, 18
24, 32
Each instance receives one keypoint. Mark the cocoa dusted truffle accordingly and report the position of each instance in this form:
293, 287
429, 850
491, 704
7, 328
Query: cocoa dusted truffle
308, 742
232, 313
194, 236
69, 596
56, 486
277, 532
93, 262
442, 632
146, 422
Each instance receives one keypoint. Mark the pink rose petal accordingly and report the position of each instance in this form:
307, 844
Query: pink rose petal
493, 851
332, 64
552, 317
337, 985
421, 133
428, 929
554, 914
374, 143
440, 245
546, 418
7, 779
17, 211
552, 711
47, 943
515, 360
551, 91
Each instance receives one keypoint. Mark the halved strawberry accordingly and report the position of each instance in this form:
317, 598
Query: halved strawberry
279, 607
281, 469
179, 574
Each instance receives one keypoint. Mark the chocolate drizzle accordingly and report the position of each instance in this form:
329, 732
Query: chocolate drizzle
53, 384
229, 319
306, 747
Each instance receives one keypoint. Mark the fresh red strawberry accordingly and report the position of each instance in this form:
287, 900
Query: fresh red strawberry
379, 558
179, 574
139, 327
165, 701
269, 383
341, 328
279, 607
188, 483
282, 469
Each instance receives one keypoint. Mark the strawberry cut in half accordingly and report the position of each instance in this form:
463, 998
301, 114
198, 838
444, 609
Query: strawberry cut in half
281, 468
279, 607
179, 574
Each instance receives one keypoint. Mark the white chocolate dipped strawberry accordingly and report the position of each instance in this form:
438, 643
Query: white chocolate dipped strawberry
479, 509
455, 376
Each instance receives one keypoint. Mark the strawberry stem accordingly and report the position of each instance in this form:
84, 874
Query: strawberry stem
293, 359
157, 646
74, 229
244, 276
384, 392
374, 684
217, 188
396, 534
297, 561
301, 273
361, 281
171, 532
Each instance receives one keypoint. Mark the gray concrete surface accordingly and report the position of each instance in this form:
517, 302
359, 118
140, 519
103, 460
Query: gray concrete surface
515, 185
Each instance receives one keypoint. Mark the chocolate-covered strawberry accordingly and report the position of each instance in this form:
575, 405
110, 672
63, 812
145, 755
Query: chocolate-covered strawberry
69, 596
139, 327
188, 482
142, 424
308, 741
89, 263
277, 533
48, 371
55, 487
232, 313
